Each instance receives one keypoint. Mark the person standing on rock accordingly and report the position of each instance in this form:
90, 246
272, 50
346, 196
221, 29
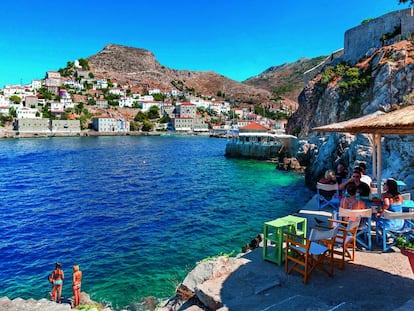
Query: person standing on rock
76, 285
57, 279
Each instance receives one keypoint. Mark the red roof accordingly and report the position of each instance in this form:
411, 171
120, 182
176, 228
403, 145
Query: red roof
254, 127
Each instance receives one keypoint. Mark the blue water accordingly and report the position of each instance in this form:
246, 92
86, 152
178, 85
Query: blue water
136, 213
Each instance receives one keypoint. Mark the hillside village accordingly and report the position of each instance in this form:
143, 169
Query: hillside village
73, 101
125, 90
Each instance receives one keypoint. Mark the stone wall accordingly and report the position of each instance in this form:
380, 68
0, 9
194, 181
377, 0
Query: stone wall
360, 39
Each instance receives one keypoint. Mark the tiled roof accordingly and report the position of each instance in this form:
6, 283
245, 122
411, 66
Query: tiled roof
254, 127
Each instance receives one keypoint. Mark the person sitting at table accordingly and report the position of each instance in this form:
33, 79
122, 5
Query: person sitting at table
392, 201
329, 178
362, 188
351, 201
341, 173
364, 177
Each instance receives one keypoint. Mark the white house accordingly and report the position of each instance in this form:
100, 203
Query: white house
126, 102
146, 105
116, 91
220, 108
36, 84
57, 107
154, 91
27, 113
4, 110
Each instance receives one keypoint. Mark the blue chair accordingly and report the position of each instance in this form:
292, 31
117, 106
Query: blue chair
328, 196
384, 232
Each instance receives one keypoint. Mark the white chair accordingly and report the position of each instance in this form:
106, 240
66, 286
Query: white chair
328, 195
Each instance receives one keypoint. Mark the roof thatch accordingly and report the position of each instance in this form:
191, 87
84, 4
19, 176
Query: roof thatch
344, 125
396, 122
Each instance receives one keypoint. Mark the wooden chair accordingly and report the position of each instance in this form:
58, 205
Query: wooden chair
304, 255
345, 242
363, 235
328, 195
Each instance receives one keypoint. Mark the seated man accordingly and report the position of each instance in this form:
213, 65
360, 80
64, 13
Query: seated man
362, 188
364, 177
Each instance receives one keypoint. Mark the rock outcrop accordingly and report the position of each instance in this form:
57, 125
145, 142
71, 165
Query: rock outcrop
20, 304
383, 80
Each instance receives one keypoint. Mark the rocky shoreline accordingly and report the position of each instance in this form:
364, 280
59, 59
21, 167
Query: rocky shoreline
19, 304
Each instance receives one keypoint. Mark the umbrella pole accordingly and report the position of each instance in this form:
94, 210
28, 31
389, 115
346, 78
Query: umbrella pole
374, 156
379, 165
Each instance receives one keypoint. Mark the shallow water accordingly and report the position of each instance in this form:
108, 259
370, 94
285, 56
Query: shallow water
136, 213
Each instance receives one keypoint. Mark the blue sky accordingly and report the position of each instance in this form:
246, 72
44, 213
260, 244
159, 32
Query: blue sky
235, 38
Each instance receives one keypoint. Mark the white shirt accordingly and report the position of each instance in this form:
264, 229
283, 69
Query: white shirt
366, 179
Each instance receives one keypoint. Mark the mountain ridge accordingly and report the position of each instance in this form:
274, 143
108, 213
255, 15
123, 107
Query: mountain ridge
139, 68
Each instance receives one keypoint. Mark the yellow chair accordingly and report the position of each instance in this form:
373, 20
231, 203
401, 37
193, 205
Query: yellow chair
305, 255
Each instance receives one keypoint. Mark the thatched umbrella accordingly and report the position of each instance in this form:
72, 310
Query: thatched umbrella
400, 122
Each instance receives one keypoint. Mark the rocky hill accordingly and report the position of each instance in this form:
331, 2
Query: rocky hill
286, 80
140, 69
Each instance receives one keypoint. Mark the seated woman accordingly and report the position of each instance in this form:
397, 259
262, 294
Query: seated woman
392, 201
328, 179
350, 201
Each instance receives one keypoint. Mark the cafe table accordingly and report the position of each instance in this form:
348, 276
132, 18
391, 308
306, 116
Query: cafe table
274, 236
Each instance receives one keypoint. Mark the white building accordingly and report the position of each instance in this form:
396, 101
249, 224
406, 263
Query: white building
154, 91
126, 102
186, 110
146, 105
220, 108
107, 124
27, 113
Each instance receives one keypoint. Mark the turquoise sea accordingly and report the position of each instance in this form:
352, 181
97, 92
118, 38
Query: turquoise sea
136, 213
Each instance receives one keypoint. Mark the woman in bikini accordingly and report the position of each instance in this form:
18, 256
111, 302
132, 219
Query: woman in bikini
76, 285
57, 278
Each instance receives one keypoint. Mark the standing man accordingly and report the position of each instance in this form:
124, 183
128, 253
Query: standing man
76, 285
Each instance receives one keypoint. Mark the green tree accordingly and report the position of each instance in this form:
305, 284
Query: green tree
140, 116
84, 63
147, 126
45, 93
154, 112
133, 126
158, 97
15, 99
165, 119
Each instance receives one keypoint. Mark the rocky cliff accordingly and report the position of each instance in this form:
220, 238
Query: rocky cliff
382, 80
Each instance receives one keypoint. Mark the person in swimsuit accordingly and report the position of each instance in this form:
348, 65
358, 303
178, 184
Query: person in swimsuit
57, 278
76, 285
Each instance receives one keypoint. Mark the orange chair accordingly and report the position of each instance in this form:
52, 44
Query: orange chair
304, 255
